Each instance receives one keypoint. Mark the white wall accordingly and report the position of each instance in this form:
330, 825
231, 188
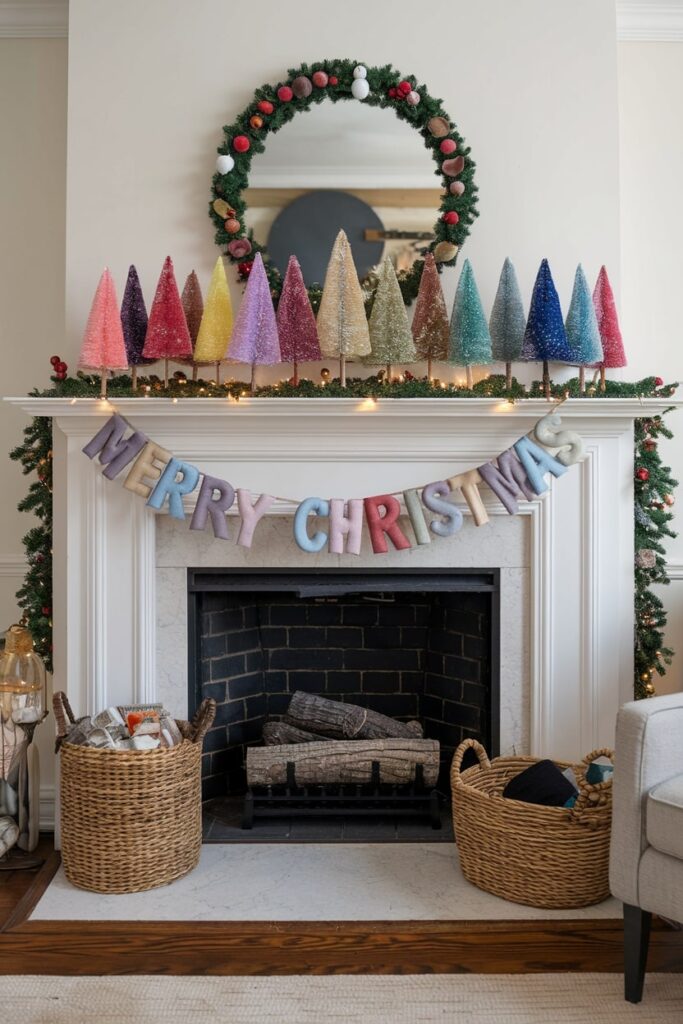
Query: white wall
651, 157
146, 111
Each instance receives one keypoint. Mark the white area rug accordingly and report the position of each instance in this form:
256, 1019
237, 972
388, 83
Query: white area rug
421, 999
308, 882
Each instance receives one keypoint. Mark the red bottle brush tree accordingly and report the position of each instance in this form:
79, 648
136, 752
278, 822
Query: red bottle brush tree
613, 355
168, 336
296, 324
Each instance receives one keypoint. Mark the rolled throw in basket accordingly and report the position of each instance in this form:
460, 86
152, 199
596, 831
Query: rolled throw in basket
131, 820
550, 857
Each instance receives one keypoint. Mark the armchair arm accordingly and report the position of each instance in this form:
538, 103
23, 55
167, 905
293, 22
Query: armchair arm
648, 750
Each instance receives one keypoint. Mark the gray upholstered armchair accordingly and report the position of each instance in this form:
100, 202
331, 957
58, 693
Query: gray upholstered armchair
646, 858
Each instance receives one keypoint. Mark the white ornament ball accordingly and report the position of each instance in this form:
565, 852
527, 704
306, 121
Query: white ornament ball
224, 163
360, 72
360, 89
413, 98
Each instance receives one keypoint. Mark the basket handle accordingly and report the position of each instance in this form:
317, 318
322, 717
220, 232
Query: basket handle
591, 794
203, 720
482, 757
64, 716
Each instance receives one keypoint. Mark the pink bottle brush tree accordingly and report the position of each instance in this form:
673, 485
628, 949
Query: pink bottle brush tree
254, 337
295, 320
613, 354
103, 347
168, 336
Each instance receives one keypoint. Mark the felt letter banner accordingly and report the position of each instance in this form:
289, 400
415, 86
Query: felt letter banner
316, 507
215, 507
383, 526
519, 472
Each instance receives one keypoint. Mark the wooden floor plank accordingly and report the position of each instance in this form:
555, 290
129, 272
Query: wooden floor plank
20, 886
234, 948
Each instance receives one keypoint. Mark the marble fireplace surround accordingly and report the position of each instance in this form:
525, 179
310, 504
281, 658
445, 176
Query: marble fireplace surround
120, 570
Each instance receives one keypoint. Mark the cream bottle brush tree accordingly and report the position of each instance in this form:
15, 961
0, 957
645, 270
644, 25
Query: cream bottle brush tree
216, 324
391, 340
470, 341
342, 324
430, 327
104, 347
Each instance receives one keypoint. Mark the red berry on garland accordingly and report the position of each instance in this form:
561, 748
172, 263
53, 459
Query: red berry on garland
284, 94
404, 88
265, 106
54, 360
245, 268
61, 367
392, 93
658, 382
333, 80
320, 79
451, 217
643, 474
241, 144
448, 146
45, 611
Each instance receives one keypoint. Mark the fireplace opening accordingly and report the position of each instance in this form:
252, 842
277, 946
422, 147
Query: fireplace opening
419, 645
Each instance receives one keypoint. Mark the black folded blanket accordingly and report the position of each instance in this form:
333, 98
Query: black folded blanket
541, 783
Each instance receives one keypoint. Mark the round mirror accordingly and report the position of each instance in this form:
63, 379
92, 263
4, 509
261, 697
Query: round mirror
286, 184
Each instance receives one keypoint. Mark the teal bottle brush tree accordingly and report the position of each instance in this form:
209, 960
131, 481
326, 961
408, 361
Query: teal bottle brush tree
507, 321
583, 334
470, 340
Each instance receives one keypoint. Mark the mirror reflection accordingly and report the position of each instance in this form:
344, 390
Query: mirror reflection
343, 165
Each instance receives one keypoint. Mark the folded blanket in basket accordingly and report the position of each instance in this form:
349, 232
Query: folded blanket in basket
542, 783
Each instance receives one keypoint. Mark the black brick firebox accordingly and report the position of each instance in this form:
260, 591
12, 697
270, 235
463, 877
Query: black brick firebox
421, 644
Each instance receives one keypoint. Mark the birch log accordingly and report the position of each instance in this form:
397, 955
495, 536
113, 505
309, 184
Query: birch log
344, 761
277, 733
345, 721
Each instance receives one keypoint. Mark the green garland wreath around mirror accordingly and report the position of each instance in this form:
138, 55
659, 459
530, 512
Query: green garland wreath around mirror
274, 106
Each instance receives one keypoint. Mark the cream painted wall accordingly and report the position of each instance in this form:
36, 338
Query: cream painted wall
146, 110
33, 82
651, 157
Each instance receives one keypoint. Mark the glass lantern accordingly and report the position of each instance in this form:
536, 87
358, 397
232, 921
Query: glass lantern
22, 679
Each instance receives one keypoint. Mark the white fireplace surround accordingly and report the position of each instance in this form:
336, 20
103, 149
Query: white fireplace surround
119, 607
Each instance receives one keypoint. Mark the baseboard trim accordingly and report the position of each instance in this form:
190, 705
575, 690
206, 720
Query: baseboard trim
47, 808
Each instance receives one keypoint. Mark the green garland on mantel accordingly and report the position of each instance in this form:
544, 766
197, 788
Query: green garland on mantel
653, 491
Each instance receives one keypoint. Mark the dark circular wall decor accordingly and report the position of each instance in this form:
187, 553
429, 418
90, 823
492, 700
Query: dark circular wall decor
273, 106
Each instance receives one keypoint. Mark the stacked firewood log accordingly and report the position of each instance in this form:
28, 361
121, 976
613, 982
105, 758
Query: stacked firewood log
330, 743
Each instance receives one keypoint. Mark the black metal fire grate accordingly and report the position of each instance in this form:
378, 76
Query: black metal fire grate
374, 798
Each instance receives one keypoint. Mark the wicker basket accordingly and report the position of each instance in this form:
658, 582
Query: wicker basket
541, 856
130, 820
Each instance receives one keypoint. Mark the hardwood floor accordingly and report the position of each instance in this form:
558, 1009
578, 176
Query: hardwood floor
335, 947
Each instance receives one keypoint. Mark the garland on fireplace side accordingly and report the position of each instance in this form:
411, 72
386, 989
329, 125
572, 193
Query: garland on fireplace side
653, 488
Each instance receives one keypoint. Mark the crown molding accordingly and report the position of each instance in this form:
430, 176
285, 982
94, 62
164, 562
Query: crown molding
48, 19
650, 22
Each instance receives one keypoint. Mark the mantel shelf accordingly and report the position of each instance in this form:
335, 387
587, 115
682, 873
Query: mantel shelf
334, 408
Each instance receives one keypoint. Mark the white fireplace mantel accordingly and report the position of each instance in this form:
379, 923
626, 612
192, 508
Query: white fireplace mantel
580, 534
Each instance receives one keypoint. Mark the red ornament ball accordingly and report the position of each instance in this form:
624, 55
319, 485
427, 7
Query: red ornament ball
232, 226
45, 611
54, 360
643, 474
333, 80
450, 217
284, 94
241, 144
448, 146
265, 106
245, 268
391, 93
320, 79
404, 88
658, 382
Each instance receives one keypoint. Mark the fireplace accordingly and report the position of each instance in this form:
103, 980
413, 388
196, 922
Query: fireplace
412, 645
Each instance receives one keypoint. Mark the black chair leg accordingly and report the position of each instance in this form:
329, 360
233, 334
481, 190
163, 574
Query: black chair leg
636, 941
